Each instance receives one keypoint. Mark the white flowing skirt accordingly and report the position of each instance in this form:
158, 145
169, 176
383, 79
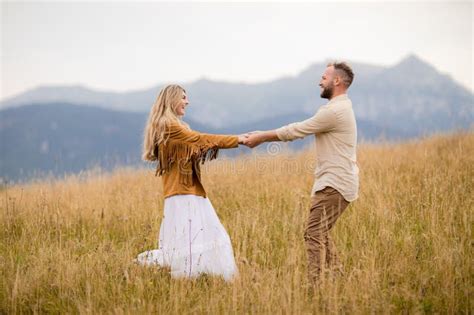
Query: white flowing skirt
192, 240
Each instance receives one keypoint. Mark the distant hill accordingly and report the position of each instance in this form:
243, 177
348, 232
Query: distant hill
61, 138
66, 129
411, 96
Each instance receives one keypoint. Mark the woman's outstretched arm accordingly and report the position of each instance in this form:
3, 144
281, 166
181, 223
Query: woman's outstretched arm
182, 134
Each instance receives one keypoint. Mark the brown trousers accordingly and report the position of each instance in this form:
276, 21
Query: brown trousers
326, 207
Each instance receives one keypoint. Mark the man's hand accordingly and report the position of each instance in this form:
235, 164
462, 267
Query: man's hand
254, 139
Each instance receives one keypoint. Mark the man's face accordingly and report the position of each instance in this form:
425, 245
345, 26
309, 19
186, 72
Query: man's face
326, 83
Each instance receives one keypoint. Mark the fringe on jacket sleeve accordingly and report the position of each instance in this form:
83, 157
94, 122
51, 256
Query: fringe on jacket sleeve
188, 149
183, 153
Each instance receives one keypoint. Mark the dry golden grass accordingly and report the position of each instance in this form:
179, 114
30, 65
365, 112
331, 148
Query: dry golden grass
406, 243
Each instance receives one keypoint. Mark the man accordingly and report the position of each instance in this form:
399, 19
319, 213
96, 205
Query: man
337, 180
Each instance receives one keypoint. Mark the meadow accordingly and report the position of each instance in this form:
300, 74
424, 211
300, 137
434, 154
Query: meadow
67, 245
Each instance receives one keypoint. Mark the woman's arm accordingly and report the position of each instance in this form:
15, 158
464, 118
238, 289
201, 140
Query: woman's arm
182, 134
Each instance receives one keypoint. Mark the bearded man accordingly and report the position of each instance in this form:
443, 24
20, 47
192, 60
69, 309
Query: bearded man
336, 175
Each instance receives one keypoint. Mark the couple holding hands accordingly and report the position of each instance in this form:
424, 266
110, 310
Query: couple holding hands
192, 239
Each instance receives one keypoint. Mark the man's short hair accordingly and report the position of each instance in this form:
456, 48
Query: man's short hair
344, 71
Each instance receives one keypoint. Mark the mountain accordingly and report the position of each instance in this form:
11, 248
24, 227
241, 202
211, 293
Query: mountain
67, 129
414, 97
59, 138
136, 101
62, 138
411, 96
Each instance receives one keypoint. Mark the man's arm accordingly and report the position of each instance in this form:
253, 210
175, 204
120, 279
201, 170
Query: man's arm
323, 121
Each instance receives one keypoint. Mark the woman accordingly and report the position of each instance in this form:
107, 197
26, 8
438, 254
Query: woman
192, 240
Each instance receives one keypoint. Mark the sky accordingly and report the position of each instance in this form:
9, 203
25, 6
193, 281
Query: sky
129, 45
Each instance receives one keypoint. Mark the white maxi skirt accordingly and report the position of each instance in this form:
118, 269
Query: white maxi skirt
192, 240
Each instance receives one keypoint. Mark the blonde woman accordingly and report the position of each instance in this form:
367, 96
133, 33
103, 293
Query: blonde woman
192, 240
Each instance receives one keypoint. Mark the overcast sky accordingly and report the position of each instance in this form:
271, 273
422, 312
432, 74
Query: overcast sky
123, 46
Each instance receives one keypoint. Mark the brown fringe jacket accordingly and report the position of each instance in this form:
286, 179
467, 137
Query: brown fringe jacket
180, 157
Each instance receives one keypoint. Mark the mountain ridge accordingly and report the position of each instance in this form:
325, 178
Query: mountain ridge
407, 100
376, 92
60, 138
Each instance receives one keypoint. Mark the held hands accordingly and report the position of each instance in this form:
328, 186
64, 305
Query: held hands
251, 139
243, 138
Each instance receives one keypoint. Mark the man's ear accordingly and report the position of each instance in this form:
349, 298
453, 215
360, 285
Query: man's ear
337, 80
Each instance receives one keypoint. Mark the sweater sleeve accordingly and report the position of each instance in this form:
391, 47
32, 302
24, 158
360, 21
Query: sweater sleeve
184, 146
191, 137
323, 121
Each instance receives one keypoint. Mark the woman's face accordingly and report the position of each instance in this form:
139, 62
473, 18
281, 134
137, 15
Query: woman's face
182, 104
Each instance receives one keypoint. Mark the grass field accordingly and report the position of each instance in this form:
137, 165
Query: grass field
67, 246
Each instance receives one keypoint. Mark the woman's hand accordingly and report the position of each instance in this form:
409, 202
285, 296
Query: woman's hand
243, 138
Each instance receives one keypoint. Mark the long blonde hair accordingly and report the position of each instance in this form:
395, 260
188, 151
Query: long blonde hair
162, 113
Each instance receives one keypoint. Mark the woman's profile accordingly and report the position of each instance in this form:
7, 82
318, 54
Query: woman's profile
192, 240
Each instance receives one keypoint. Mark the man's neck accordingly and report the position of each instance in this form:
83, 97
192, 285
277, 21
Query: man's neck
338, 93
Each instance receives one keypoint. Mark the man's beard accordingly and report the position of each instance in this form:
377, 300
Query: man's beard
327, 92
